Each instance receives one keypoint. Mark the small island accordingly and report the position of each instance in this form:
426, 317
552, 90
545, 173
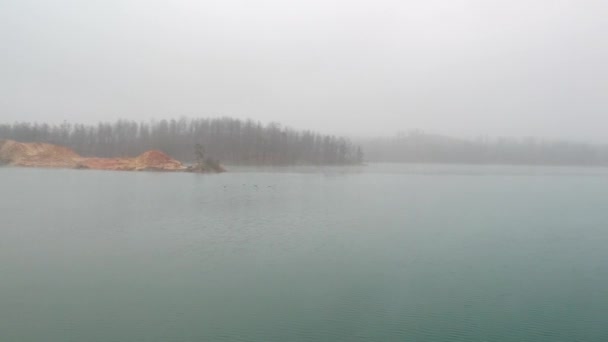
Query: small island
44, 155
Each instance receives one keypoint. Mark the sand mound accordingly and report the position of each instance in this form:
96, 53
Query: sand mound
48, 155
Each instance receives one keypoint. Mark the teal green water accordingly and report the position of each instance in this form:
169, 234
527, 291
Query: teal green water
383, 253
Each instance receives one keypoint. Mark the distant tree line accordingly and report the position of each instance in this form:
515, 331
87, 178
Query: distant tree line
228, 140
419, 147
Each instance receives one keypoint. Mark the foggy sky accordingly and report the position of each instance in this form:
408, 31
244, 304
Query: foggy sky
458, 67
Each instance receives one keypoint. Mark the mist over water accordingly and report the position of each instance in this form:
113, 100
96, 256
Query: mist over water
420, 170
383, 253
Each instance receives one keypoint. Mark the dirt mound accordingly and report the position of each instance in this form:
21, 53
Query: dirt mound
48, 155
118, 164
150, 160
37, 154
155, 159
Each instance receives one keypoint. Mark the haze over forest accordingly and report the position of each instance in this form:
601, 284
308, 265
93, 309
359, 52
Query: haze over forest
247, 142
464, 68
229, 140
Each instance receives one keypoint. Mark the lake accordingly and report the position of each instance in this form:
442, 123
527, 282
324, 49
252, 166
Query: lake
376, 253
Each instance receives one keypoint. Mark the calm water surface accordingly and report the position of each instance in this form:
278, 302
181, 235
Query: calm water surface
382, 253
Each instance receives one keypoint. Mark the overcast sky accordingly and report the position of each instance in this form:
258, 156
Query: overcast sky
459, 67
